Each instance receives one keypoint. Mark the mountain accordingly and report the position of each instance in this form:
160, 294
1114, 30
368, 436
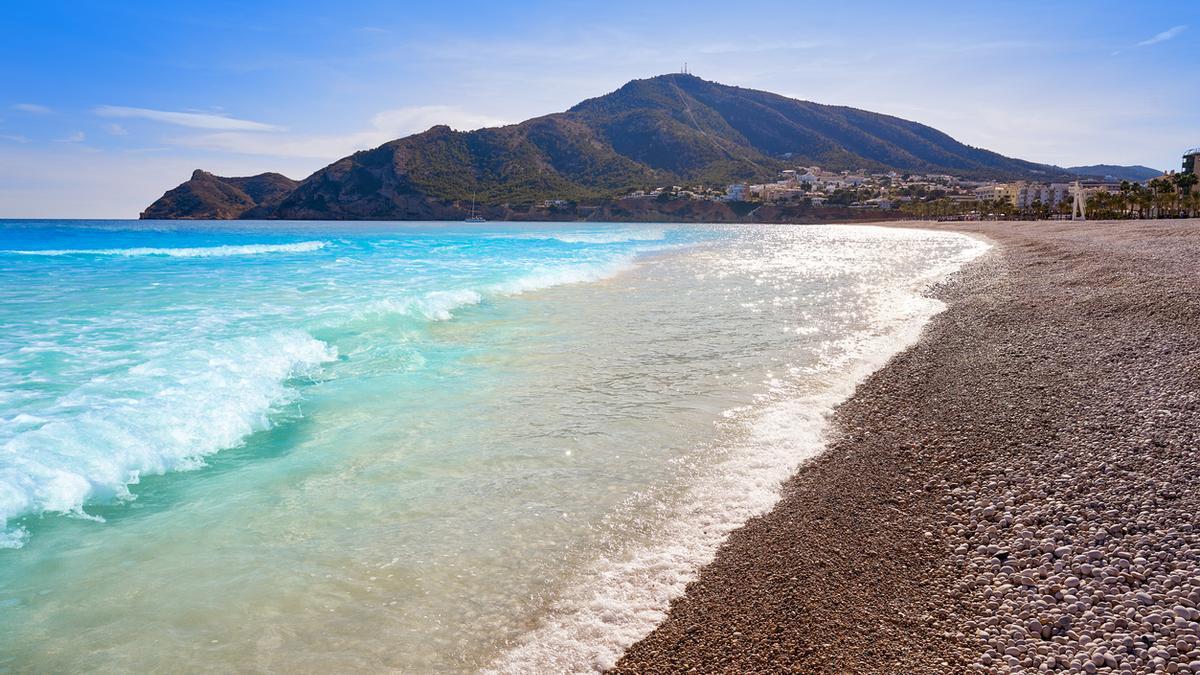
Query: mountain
1136, 174
209, 197
664, 130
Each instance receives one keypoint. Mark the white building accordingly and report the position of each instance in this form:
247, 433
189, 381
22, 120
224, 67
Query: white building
777, 192
988, 193
1025, 195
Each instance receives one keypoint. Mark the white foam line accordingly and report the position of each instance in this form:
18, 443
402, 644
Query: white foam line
619, 601
194, 252
591, 237
440, 305
569, 274
185, 406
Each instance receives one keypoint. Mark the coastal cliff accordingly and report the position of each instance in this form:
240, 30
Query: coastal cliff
209, 197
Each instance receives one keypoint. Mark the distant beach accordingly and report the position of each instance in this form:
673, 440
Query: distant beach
1015, 492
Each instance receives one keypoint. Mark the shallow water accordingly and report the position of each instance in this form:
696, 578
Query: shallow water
424, 447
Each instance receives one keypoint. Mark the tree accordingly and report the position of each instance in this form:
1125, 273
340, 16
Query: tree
1145, 201
1065, 207
1184, 182
1038, 210
1127, 197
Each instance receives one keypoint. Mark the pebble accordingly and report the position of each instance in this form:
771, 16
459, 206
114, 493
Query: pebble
1051, 420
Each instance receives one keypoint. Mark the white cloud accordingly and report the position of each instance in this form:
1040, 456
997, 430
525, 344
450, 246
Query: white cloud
32, 108
185, 119
77, 137
385, 126
14, 138
116, 130
1163, 36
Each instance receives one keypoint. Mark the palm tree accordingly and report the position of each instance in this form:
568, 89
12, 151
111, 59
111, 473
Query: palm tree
1163, 192
1191, 204
1185, 182
1127, 196
1145, 200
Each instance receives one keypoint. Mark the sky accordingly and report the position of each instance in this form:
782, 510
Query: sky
106, 104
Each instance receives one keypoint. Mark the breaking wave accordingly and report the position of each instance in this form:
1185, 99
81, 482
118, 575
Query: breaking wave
163, 415
593, 236
440, 305
190, 252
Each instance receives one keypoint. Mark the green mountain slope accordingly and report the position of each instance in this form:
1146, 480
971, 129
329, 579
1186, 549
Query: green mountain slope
209, 197
1135, 173
658, 131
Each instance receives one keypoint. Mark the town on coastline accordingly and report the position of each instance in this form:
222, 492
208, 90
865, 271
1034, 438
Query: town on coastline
1175, 194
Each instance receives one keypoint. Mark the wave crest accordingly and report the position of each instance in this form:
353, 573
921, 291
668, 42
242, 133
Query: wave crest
163, 415
593, 237
440, 305
189, 252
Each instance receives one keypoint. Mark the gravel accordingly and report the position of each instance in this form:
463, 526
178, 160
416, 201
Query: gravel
1017, 492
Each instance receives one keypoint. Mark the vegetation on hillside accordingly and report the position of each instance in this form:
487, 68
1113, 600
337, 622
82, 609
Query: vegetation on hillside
665, 130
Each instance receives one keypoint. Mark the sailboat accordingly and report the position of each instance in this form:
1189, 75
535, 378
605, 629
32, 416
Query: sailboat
475, 218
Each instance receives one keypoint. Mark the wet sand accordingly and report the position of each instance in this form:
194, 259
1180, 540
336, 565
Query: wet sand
1020, 490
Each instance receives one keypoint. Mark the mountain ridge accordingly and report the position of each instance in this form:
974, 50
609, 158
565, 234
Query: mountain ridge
663, 130
209, 197
1136, 172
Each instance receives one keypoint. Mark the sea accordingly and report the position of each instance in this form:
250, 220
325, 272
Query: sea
415, 447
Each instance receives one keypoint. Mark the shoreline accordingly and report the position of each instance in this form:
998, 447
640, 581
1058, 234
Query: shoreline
624, 597
1010, 492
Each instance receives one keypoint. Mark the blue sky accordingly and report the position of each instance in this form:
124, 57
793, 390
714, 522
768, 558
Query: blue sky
106, 104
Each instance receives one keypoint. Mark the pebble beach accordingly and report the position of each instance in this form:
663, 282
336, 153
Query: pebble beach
1018, 492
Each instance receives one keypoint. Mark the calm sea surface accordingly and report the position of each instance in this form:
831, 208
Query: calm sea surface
408, 446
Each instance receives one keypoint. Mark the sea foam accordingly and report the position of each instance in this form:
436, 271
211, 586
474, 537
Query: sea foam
439, 305
606, 236
548, 277
187, 252
163, 415
621, 598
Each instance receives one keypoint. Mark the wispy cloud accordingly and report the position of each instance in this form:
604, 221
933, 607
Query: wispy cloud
185, 119
603, 45
76, 137
385, 126
32, 108
1163, 36
758, 47
14, 138
115, 129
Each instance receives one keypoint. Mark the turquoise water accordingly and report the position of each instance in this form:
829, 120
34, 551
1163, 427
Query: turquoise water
419, 447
